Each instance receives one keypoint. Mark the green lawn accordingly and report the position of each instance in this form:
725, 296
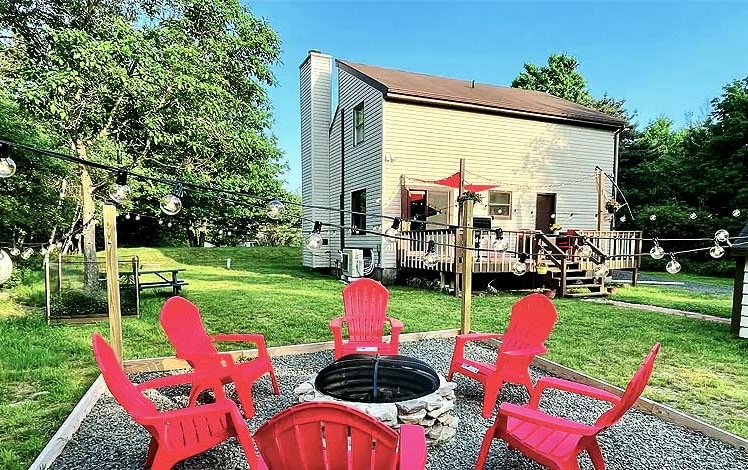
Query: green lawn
708, 303
701, 369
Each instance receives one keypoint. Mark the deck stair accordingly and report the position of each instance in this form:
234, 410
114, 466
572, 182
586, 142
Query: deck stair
564, 272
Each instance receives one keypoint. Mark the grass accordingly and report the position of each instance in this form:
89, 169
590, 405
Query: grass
717, 304
701, 369
685, 277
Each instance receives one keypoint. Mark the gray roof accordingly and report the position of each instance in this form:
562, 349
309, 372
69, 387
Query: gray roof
740, 244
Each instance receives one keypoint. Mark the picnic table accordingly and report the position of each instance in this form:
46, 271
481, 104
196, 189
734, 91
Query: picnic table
166, 277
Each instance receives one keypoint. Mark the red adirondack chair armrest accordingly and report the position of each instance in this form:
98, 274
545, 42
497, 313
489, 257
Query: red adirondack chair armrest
397, 327
208, 359
462, 339
179, 379
530, 415
569, 386
336, 326
412, 447
526, 351
257, 339
220, 406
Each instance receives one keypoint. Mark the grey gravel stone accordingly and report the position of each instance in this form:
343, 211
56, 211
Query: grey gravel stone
109, 439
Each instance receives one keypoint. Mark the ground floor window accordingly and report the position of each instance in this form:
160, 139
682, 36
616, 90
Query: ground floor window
500, 205
358, 207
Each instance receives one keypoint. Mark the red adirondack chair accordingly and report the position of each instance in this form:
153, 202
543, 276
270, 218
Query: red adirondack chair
557, 442
182, 324
530, 324
175, 434
331, 436
365, 303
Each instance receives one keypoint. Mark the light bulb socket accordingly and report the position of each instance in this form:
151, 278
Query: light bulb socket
523, 257
396, 223
4, 150
121, 178
178, 190
317, 227
499, 233
431, 247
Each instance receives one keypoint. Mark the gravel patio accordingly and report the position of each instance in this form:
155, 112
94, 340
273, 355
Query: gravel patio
109, 439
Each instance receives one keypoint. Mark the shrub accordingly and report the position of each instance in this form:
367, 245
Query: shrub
77, 303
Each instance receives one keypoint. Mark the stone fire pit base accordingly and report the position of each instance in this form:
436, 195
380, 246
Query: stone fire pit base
433, 411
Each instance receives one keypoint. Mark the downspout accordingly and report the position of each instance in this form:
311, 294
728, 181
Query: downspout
342, 178
616, 138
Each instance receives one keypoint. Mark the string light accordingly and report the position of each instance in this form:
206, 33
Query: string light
520, 266
499, 244
656, 252
692, 216
27, 253
722, 236
673, 266
137, 217
394, 229
314, 242
601, 270
716, 251
585, 251
7, 165
736, 213
119, 191
430, 258
171, 204
653, 217
274, 209
127, 216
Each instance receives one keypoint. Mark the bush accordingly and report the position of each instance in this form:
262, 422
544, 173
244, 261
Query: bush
84, 304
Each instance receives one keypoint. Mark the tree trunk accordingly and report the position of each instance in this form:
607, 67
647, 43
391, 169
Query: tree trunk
91, 270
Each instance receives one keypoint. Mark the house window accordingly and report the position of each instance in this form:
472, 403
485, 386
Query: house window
358, 204
358, 124
500, 204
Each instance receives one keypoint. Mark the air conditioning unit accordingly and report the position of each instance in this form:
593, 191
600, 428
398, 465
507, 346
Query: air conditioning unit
353, 263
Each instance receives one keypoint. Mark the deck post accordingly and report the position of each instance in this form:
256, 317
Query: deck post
637, 261
459, 232
467, 264
112, 279
600, 198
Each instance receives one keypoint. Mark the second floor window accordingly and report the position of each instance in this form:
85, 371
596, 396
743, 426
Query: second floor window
358, 204
358, 124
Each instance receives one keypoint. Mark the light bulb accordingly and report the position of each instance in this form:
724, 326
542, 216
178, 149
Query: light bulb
160, 222
653, 217
553, 216
171, 204
15, 251
519, 268
6, 267
127, 216
499, 245
673, 267
169, 224
622, 218
7, 167
274, 209
716, 251
137, 217
721, 235
601, 270
394, 229
736, 213
692, 216
43, 251
314, 242
119, 190
585, 251
657, 252
27, 253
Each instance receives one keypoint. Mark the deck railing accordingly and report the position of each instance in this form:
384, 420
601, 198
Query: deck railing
620, 249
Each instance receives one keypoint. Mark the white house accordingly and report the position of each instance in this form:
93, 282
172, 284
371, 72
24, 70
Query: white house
739, 250
393, 135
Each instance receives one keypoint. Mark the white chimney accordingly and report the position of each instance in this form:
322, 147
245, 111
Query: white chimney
315, 75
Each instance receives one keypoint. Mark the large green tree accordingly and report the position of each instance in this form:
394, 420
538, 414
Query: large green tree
174, 87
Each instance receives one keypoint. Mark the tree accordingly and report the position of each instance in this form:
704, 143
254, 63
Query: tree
559, 78
174, 87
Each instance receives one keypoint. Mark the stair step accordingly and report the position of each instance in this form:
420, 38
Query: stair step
588, 294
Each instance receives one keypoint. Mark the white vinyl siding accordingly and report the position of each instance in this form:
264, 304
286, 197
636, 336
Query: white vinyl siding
363, 162
743, 331
315, 89
527, 157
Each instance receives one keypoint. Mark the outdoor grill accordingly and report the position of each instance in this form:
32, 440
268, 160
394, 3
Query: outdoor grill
377, 379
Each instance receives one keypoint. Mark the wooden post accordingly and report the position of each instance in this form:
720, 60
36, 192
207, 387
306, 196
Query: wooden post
467, 265
600, 199
459, 233
59, 271
637, 263
136, 283
112, 279
47, 289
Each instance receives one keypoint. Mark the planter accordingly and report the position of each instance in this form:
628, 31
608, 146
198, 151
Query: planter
542, 269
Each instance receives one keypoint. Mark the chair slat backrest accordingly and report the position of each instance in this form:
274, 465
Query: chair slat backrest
530, 323
122, 389
326, 436
633, 390
180, 320
365, 302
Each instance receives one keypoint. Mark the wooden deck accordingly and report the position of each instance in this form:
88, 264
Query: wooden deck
619, 249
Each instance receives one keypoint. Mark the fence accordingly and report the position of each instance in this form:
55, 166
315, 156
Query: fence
69, 300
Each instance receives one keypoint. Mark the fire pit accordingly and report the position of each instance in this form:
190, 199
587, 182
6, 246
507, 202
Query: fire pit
394, 389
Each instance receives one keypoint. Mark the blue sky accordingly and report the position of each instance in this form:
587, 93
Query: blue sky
664, 58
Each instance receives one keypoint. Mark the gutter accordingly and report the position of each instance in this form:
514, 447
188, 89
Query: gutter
442, 103
616, 147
